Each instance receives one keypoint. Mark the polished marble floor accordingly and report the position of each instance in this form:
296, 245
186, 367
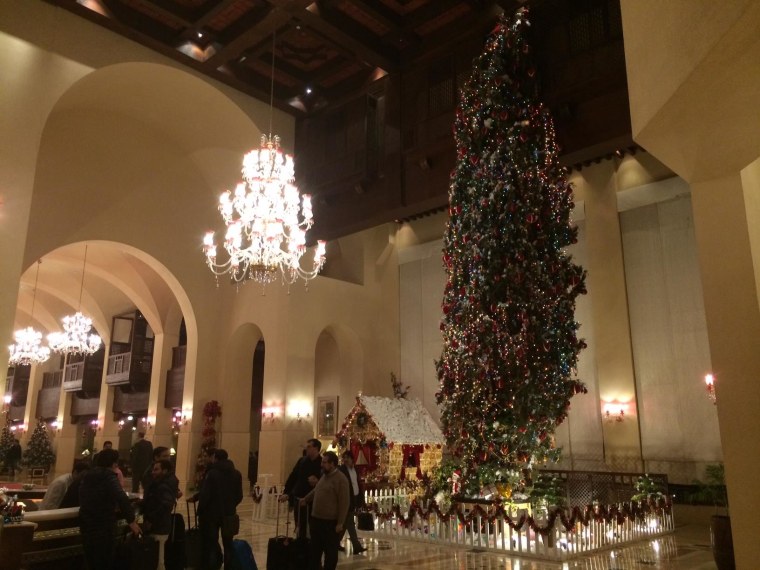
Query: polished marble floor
687, 549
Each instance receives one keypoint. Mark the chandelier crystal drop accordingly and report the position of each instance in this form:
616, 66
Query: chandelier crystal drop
76, 338
266, 220
28, 348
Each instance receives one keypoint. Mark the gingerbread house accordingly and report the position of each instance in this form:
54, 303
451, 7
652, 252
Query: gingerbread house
391, 439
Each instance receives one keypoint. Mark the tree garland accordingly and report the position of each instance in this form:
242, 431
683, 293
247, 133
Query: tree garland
591, 513
211, 411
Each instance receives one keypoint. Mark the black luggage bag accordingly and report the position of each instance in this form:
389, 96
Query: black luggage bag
365, 521
174, 549
137, 553
193, 552
287, 552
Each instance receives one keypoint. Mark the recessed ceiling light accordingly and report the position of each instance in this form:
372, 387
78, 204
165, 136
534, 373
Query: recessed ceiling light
308, 90
200, 34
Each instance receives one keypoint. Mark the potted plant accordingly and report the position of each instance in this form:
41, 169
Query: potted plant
713, 491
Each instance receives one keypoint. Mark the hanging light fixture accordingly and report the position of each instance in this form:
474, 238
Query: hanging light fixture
266, 232
76, 338
28, 347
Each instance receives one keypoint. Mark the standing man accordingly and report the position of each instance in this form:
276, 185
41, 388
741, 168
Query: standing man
356, 501
140, 459
302, 480
13, 456
220, 494
329, 501
157, 506
145, 478
99, 497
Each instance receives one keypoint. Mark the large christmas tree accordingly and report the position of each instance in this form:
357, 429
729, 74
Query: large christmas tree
39, 452
510, 343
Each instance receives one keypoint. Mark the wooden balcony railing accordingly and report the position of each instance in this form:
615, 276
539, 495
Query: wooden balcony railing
118, 368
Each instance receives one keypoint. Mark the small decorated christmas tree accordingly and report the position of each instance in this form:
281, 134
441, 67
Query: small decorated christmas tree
509, 334
6, 439
39, 451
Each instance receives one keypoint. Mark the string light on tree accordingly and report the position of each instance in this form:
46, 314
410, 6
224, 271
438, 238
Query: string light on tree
510, 346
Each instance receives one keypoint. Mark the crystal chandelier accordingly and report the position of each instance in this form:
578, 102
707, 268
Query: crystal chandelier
266, 228
265, 234
76, 338
28, 348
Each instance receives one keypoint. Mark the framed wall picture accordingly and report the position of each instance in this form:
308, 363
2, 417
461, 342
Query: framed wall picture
327, 416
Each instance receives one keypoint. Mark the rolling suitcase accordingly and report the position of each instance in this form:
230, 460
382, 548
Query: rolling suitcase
285, 552
137, 553
193, 549
174, 549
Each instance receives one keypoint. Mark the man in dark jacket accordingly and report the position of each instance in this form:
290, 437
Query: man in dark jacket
13, 457
140, 459
160, 454
220, 494
303, 478
157, 506
99, 496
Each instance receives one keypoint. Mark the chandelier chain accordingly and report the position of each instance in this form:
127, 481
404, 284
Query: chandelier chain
81, 284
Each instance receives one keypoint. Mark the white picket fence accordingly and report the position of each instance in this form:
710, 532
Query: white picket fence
396, 515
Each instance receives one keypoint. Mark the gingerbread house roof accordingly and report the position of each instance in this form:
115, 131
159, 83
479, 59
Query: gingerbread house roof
402, 421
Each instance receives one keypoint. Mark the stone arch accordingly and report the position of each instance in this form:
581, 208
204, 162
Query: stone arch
338, 367
236, 390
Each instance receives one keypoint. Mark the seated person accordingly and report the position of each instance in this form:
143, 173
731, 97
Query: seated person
56, 491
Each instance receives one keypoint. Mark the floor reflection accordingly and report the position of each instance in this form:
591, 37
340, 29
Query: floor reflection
687, 549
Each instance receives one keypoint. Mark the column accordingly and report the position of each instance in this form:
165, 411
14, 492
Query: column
159, 417
66, 451
727, 227
612, 333
30, 412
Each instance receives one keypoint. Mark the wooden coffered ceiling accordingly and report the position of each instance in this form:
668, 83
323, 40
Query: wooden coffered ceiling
325, 50
329, 54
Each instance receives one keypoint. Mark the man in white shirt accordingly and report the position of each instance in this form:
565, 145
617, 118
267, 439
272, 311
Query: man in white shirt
356, 500
58, 487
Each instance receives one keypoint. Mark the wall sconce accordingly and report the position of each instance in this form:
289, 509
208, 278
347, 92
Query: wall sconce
710, 386
178, 420
299, 410
615, 411
270, 413
56, 425
7, 399
20, 428
95, 424
121, 424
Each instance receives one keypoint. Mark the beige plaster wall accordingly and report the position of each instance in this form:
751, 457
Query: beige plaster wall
113, 143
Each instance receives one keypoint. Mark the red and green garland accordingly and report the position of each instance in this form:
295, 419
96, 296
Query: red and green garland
211, 411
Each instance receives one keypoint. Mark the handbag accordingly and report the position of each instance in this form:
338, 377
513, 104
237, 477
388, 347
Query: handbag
230, 525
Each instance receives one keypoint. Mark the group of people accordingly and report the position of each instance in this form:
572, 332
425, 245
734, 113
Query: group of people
99, 493
324, 496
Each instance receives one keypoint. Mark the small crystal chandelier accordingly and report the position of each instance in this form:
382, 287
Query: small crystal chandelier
28, 348
76, 338
266, 233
